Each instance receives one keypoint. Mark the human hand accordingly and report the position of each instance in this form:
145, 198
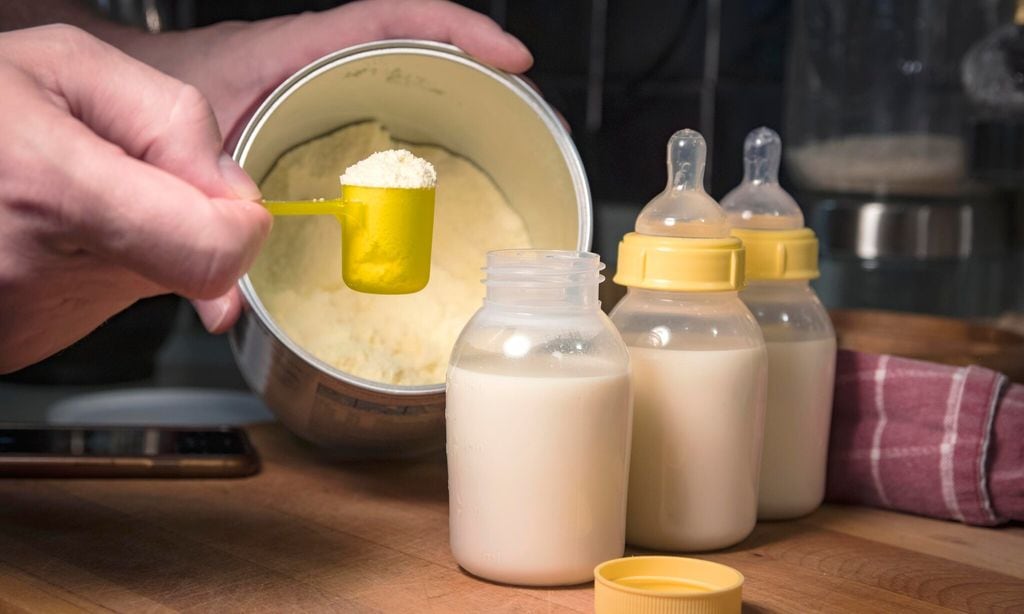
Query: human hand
113, 188
237, 64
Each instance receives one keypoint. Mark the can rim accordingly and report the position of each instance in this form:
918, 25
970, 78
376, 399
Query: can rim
401, 46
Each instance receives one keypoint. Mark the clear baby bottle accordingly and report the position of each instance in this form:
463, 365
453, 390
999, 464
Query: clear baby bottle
699, 368
539, 414
782, 256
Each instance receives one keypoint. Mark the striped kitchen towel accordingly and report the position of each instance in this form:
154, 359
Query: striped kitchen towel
929, 439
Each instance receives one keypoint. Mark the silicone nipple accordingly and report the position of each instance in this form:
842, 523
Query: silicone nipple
684, 209
759, 202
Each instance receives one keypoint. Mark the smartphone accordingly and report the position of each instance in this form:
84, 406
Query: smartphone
125, 452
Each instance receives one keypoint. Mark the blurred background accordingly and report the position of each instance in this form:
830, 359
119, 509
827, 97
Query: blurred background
902, 124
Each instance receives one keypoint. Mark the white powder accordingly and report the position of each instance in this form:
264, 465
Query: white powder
911, 164
394, 168
401, 339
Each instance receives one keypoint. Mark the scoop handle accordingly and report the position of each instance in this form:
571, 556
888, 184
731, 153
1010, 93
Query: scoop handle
330, 206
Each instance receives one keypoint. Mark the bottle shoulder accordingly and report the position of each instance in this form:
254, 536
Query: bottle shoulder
788, 312
540, 343
697, 321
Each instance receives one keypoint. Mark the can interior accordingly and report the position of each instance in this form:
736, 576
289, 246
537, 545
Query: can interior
438, 97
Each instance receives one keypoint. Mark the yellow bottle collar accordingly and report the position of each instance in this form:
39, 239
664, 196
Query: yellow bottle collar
680, 264
779, 254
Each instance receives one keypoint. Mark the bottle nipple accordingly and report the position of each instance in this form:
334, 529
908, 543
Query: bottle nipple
759, 202
684, 209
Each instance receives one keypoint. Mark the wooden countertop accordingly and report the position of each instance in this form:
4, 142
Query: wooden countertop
307, 534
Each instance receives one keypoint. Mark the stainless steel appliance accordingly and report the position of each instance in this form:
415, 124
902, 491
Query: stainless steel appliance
877, 124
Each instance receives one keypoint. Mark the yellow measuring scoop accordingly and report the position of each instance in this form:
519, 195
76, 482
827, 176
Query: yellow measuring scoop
386, 235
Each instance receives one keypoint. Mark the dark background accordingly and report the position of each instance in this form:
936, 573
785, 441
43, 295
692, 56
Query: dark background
625, 75
653, 78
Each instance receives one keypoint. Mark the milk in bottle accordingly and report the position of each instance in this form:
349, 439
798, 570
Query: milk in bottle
539, 416
699, 367
781, 259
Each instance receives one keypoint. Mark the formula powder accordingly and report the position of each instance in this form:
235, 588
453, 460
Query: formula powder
396, 339
394, 168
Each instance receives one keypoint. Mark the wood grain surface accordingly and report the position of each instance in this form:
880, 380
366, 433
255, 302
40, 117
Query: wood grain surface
309, 534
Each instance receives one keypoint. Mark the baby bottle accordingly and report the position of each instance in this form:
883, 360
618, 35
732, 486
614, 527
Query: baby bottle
699, 367
539, 413
782, 256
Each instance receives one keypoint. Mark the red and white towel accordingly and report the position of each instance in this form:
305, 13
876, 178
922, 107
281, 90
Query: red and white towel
929, 439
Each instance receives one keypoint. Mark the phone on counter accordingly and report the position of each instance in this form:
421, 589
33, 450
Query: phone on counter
125, 452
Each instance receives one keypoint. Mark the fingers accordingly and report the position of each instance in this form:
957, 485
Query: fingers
138, 177
438, 20
477, 34
150, 115
153, 223
221, 313
58, 300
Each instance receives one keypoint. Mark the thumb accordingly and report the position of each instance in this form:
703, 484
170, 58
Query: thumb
220, 314
141, 179
153, 223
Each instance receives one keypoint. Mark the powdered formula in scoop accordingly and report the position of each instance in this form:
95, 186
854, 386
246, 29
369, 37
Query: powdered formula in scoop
388, 223
398, 339
386, 213
394, 168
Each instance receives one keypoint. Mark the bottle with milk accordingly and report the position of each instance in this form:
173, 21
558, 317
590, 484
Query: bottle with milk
782, 257
699, 368
539, 414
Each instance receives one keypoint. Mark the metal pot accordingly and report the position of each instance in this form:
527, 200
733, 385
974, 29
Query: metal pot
423, 92
940, 256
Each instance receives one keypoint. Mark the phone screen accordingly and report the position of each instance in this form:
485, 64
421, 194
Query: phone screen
122, 442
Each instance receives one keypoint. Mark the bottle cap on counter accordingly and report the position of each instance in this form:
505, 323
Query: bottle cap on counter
779, 254
666, 585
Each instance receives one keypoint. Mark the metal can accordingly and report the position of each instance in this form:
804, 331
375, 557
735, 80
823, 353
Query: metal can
423, 92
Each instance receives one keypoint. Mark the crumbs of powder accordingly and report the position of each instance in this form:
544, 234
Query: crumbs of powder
394, 168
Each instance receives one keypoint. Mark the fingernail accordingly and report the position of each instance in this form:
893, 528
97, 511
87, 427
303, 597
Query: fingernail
241, 184
258, 210
212, 311
520, 45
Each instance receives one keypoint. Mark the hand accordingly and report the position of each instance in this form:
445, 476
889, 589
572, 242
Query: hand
113, 188
237, 64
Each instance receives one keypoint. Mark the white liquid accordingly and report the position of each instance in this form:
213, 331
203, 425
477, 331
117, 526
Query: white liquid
697, 431
537, 473
800, 379
397, 339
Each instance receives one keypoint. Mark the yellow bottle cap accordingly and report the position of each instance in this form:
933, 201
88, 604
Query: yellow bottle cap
666, 585
680, 265
780, 254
